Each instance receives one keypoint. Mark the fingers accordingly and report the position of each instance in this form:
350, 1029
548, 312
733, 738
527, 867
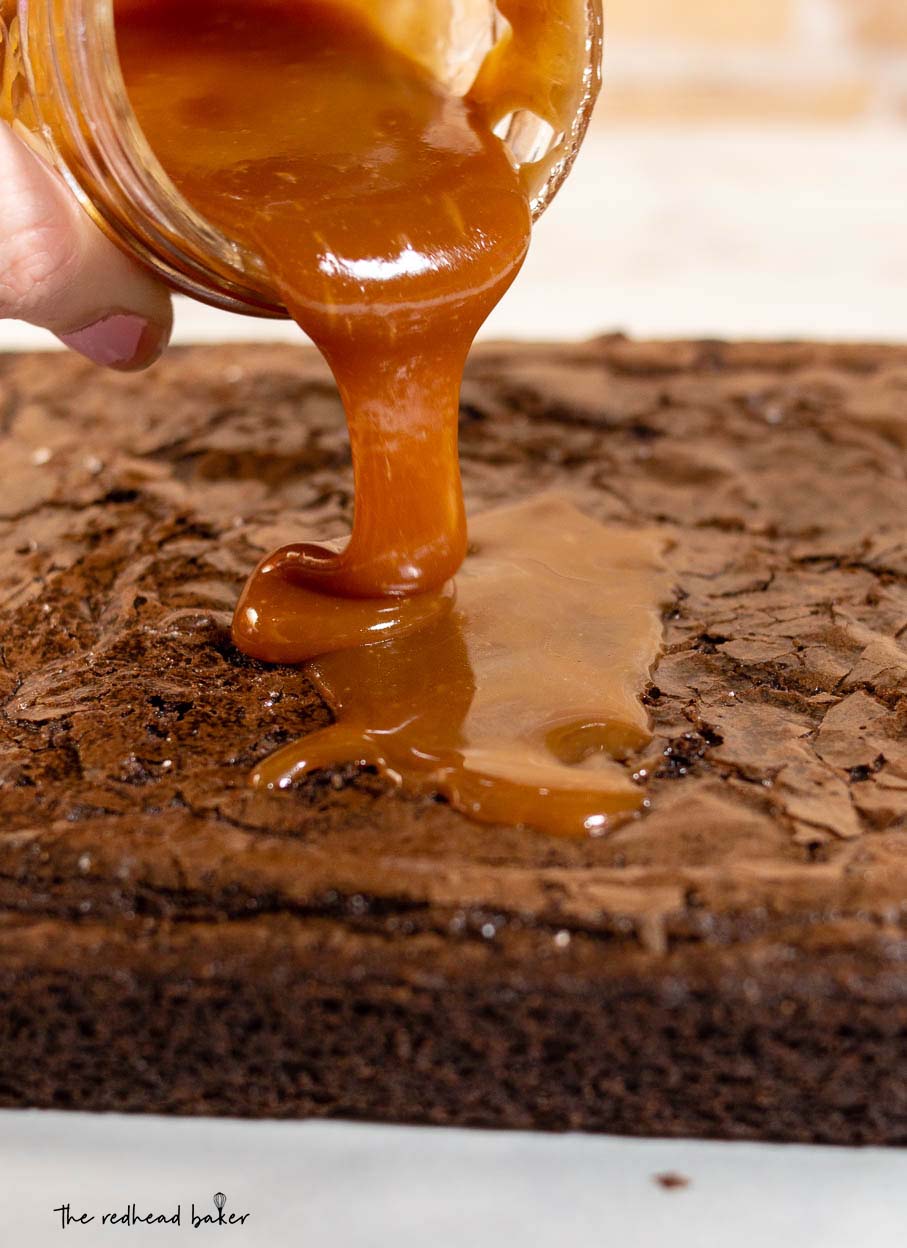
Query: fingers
58, 271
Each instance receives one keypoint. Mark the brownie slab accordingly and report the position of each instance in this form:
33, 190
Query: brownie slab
733, 963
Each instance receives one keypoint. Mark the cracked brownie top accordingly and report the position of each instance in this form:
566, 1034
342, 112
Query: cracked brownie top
777, 779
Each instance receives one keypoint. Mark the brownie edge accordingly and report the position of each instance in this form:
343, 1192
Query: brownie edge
339, 1030
730, 964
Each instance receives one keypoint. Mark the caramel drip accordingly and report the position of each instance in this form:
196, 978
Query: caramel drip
391, 221
520, 701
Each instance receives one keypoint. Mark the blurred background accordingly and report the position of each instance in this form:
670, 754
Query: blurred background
746, 175
770, 62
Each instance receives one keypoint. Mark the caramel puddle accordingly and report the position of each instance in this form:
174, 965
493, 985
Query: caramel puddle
518, 701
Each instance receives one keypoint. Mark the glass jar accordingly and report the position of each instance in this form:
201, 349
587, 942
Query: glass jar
62, 90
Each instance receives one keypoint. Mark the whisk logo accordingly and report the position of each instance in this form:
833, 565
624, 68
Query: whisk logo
221, 1217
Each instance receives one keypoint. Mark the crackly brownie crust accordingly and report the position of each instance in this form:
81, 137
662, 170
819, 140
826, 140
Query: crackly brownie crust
732, 963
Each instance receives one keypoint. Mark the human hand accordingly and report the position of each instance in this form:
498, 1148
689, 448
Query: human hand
60, 272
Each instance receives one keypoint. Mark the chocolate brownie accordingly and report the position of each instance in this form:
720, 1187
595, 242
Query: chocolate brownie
732, 963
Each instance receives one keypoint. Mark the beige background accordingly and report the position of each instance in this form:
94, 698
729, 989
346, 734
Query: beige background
823, 61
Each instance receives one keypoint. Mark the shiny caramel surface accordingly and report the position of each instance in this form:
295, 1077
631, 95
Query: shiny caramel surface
521, 700
391, 221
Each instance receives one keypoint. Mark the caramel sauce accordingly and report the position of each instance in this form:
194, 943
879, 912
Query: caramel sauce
391, 220
520, 699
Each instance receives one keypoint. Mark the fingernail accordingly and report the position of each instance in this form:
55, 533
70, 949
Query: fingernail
122, 340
